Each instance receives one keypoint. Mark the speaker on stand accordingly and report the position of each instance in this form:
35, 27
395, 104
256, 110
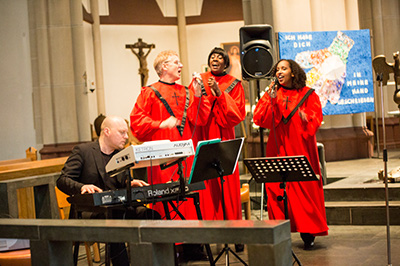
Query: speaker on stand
257, 60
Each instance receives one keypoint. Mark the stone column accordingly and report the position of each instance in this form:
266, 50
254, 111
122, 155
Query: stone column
182, 39
58, 66
42, 93
98, 61
81, 91
382, 17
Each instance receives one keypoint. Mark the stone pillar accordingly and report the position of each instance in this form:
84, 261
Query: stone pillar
257, 12
58, 66
98, 61
382, 18
81, 91
182, 39
42, 93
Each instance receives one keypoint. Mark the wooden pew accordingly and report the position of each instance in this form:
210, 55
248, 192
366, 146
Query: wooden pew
26, 204
32, 168
25, 195
45, 202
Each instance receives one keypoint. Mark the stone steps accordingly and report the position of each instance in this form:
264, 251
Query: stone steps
361, 212
349, 204
361, 193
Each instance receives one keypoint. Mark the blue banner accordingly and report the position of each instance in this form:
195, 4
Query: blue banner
338, 66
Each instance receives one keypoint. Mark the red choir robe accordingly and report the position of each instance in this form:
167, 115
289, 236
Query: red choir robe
228, 110
297, 137
145, 119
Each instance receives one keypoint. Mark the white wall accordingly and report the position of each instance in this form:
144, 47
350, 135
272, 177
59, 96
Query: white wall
202, 38
16, 121
120, 65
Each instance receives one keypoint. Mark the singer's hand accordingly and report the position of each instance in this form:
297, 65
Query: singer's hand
170, 122
272, 89
303, 115
212, 83
197, 84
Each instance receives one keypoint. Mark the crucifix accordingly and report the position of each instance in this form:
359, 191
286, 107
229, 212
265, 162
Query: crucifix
141, 55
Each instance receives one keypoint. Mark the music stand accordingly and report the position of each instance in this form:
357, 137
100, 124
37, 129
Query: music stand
214, 160
281, 169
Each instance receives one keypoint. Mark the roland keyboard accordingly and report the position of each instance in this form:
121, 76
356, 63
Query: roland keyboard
150, 153
143, 194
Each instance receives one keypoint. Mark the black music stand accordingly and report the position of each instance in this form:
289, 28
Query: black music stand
196, 199
214, 160
281, 169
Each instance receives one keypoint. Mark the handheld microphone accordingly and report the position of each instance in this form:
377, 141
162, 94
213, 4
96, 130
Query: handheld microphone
276, 83
272, 91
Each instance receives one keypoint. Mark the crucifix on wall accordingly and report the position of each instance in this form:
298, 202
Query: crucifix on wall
140, 46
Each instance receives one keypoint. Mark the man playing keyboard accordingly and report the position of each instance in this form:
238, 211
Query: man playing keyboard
84, 172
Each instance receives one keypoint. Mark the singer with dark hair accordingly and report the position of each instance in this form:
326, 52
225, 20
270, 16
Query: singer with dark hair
292, 111
226, 95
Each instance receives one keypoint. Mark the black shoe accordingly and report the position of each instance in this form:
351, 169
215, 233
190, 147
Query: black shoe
239, 247
308, 240
308, 245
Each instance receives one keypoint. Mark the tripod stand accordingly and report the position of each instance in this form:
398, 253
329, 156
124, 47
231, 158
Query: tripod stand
283, 170
214, 160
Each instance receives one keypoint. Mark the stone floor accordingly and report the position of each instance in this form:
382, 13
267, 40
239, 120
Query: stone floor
345, 245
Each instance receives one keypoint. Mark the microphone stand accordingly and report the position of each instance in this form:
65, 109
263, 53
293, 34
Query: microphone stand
262, 145
385, 160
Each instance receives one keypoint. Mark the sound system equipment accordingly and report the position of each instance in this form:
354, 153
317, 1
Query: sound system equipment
256, 51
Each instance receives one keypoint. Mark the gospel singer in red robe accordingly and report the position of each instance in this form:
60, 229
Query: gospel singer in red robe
153, 119
292, 132
226, 96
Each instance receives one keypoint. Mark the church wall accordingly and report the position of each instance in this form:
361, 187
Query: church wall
17, 130
204, 37
122, 82
120, 65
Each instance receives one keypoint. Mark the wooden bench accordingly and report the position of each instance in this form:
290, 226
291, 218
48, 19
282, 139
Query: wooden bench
32, 168
15, 170
45, 202
25, 195
151, 242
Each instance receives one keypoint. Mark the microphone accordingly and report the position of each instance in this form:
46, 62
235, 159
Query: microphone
273, 90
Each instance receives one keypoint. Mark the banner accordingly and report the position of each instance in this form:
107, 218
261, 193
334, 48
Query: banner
338, 66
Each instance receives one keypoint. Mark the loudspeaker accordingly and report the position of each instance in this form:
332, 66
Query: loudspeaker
256, 51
